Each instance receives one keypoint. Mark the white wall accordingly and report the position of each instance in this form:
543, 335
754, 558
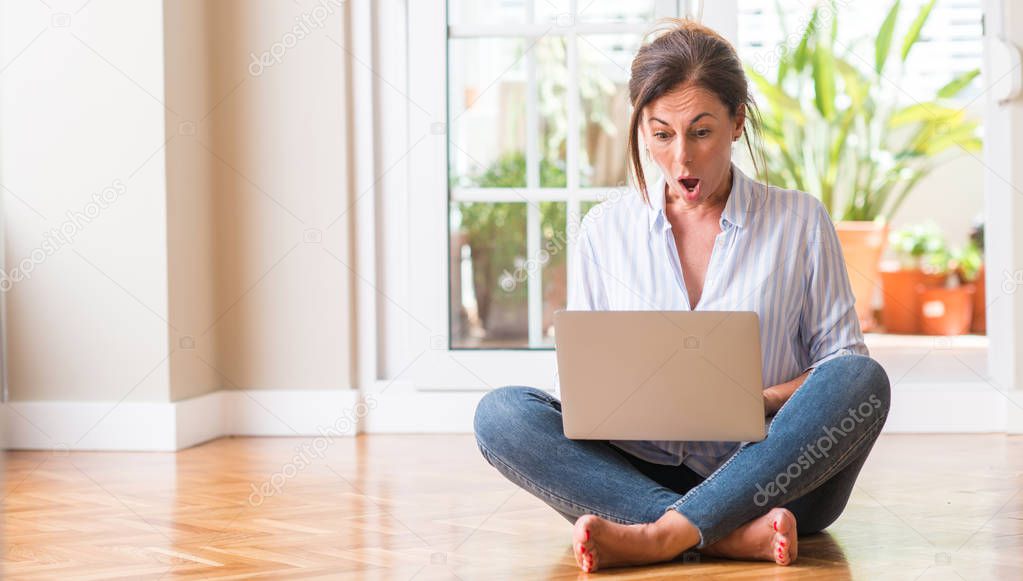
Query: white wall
80, 111
191, 218
223, 263
274, 222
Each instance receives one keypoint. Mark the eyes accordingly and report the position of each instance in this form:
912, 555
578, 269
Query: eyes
700, 133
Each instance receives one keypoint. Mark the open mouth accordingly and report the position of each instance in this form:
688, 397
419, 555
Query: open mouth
690, 183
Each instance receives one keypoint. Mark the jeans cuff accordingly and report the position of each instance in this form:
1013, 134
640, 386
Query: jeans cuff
699, 531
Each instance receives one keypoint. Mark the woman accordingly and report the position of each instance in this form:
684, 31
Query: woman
706, 237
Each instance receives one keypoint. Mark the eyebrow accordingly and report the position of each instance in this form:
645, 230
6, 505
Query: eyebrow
695, 119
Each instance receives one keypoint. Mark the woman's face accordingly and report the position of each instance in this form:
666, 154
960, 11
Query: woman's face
689, 133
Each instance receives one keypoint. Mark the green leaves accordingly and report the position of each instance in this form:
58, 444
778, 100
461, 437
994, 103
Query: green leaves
803, 49
913, 34
857, 86
834, 127
953, 87
778, 99
883, 43
929, 112
824, 81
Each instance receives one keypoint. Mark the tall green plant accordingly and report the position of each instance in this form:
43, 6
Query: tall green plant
834, 126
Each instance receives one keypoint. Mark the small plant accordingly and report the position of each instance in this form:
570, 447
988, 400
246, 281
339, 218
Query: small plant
940, 261
968, 262
923, 247
920, 246
977, 235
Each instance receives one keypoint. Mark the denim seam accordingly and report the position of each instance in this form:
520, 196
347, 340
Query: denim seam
719, 469
822, 479
675, 506
532, 485
812, 371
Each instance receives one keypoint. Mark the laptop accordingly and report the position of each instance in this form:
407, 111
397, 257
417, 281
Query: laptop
660, 375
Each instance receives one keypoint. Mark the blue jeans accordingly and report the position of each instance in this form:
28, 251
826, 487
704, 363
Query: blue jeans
815, 447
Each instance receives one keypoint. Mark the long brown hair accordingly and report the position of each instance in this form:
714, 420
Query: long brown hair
686, 52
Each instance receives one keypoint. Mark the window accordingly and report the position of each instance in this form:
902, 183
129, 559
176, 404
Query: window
951, 42
483, 155
538, 111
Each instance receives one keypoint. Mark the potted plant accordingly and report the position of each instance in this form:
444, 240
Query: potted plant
837, 128
946, 309
900, 311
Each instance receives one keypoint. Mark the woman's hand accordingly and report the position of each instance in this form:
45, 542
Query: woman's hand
776, 395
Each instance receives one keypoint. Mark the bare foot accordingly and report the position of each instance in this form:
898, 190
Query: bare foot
771, 537
599, 543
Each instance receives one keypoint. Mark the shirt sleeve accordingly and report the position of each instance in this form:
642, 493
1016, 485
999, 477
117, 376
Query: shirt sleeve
828, 325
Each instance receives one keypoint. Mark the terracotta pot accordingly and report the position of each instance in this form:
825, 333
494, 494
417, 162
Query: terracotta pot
900, 311
946, 311
862, 243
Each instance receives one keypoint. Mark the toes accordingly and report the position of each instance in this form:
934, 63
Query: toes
587, 559
783, 521
582, 544
584, 548
581, 532
785, 537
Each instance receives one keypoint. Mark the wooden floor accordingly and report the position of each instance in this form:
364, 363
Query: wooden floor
429, 507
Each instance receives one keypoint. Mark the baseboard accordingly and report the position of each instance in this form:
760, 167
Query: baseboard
917, 408
421, 412
77, 425
255, 412
170, 426
137, 426
954, 408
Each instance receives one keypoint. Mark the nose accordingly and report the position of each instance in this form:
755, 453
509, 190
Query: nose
681, 160
682, 152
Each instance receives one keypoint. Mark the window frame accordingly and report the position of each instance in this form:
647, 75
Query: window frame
416, 344
402, 271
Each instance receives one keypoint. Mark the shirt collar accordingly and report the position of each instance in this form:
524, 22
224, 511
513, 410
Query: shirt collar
737, 208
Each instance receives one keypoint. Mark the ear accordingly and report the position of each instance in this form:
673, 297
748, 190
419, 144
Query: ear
740, 121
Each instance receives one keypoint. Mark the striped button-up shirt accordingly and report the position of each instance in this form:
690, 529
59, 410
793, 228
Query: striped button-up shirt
777, 255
